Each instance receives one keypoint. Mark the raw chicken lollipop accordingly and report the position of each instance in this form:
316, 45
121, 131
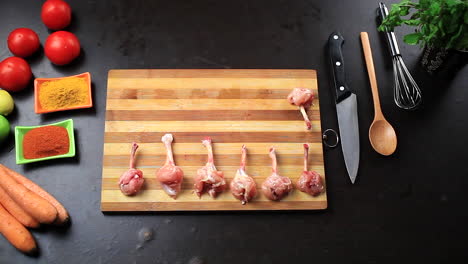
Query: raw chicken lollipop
243, 187
131, 181
303, 98
276, 187
170, 176
208, 179
310, 181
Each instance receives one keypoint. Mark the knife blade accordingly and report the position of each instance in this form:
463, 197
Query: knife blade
346, 108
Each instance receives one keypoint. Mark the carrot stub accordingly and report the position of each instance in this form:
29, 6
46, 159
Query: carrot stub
16, 233
63, 216
36, 206
16, 211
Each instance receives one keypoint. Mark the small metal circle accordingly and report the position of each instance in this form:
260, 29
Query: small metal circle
325, 138
341, 88
335, 37
338, 63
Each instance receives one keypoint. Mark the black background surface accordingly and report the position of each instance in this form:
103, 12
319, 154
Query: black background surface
406, 208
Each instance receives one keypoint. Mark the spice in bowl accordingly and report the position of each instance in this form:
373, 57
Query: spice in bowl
45, 141
63, 93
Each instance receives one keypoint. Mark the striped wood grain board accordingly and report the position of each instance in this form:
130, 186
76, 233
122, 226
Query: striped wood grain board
234, 107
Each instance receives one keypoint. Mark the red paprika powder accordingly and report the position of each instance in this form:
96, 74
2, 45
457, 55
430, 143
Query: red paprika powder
45, 142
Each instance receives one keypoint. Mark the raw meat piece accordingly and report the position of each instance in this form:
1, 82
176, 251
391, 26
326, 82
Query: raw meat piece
209, 179
303, 98
170, 176
276, 187
243, 187
131, 181
310, 181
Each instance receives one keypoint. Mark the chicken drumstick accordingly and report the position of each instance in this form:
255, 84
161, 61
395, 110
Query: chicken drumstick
303, 98
310, 181
131, 181
209, 179
276, 187
170, 176
243, 187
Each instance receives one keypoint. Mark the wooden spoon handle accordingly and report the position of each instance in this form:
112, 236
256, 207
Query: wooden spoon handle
371, 71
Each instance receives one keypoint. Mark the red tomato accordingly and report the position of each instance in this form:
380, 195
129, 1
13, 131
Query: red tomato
56, 14
23, 42
15, 74
62, 47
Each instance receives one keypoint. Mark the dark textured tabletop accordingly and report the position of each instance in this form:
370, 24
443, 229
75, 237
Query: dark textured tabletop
410, 207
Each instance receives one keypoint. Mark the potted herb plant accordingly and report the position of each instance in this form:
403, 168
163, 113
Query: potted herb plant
441, 28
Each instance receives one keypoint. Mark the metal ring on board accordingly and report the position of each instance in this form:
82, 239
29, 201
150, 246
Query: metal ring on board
325, 137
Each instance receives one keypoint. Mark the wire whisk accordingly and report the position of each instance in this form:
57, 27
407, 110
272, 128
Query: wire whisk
406, 92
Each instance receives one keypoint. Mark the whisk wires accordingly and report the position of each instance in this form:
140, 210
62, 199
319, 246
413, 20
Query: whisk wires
407, 94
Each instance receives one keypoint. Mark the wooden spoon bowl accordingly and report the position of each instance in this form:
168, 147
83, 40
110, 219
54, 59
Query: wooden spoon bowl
382, 137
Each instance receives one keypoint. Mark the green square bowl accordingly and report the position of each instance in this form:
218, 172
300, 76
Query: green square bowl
20, 131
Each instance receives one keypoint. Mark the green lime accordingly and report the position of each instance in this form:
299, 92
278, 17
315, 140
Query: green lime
4, 128
6, 103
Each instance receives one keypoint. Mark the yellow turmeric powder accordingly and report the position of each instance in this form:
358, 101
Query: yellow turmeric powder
63, 93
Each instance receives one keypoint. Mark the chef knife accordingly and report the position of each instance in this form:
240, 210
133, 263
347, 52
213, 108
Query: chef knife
346, 108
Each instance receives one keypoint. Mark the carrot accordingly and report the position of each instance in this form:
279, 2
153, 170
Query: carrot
16, 211
36, 206
62, 217
16, 233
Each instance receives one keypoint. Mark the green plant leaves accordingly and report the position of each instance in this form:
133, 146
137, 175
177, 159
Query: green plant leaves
412, 39
440, 23
404, 10
412, 22
434, 8
455, 37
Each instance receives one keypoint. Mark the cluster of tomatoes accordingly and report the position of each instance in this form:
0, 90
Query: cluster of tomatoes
61, 47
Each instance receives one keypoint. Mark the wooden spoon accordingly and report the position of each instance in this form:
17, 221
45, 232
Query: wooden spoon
382, 136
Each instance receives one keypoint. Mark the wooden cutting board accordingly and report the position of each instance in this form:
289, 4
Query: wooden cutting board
234, 107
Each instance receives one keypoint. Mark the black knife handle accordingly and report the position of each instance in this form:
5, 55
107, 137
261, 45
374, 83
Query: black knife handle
335, 41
